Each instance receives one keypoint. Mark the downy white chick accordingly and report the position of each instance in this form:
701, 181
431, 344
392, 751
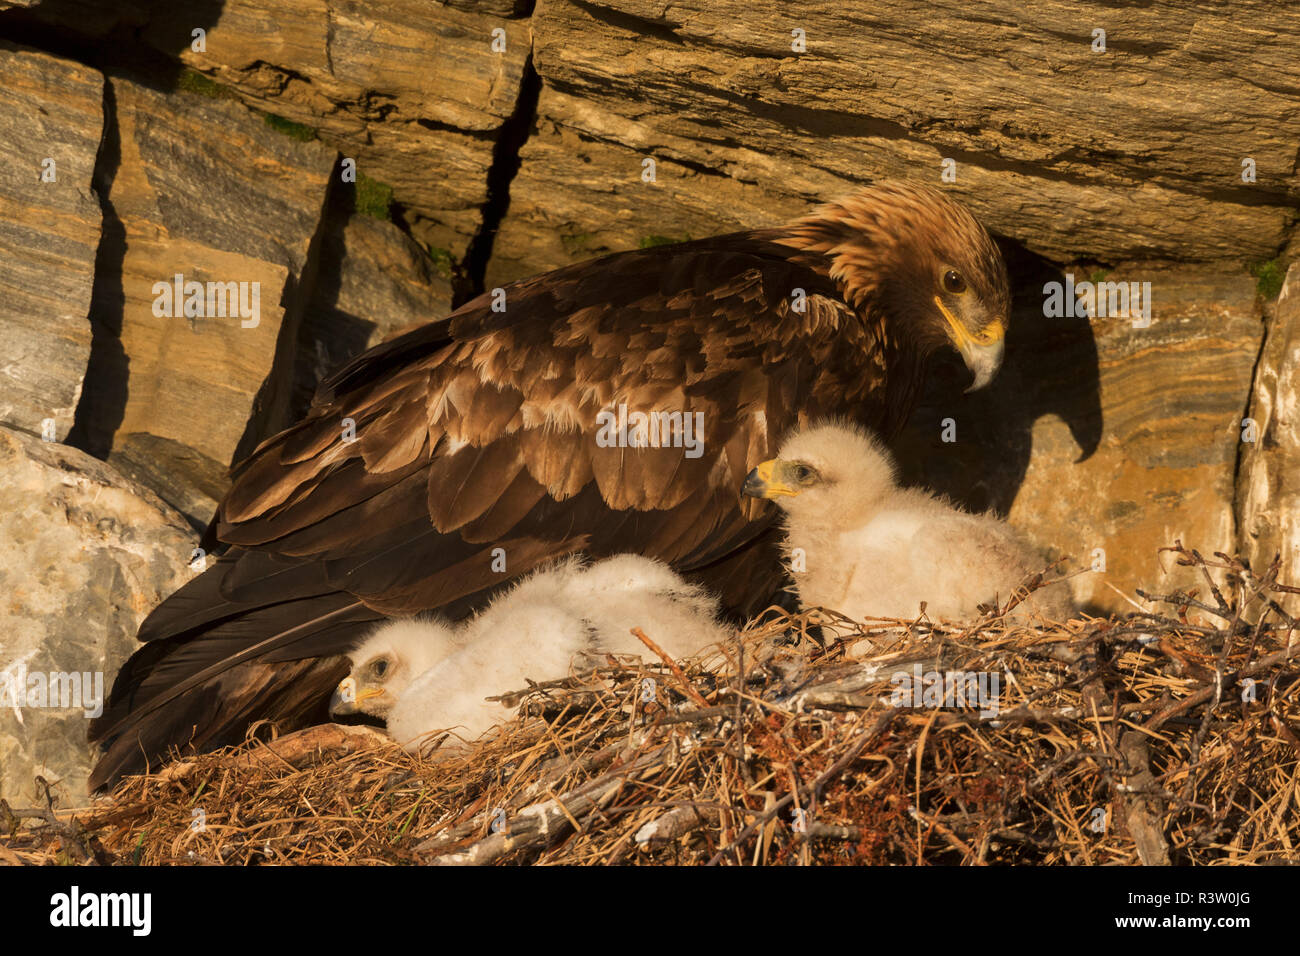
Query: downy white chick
504, 647
873, 549
627, 590
534, 631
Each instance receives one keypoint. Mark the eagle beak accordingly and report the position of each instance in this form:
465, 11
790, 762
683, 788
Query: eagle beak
983, 362
981, 351
767, 481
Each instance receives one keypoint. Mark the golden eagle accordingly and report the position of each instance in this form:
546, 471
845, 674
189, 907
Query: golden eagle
439, 466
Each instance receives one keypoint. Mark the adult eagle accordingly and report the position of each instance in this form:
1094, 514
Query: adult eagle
437, 467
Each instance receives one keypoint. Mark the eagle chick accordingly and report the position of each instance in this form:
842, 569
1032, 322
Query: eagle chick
532, 631
861, 545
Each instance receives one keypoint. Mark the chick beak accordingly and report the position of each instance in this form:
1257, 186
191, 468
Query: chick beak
982, 351
768, 480
344, 699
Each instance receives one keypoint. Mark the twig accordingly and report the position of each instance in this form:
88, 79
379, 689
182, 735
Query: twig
687, 687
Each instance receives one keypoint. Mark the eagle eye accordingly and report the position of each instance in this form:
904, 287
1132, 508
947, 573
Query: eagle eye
804, 474
379, 667
953, 283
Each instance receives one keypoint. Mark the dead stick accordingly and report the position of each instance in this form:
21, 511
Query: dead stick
691, 692
1229, 680
948, 836
1141, 814
71, 832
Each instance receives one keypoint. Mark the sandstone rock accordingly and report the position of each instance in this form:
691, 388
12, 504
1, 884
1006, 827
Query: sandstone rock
51, 114
374, 281
1161, 406
387, 280
413, 91
1127, 152
1132, 153
185, 478
1268, 481
202, 189
87, 554
576, 197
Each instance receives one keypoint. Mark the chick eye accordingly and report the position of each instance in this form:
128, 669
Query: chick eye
953, 283
379, 668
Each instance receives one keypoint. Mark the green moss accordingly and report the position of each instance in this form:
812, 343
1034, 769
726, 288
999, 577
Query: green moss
577, 242
442, 261
374, 198
192, 81
1268, 278
1098, 275
289, 128
652, 240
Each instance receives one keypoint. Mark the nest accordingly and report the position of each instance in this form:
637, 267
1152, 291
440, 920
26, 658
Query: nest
1167, 736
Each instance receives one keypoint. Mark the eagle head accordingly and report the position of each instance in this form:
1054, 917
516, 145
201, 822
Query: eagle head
919, 264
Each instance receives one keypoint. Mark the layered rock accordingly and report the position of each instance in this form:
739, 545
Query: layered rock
87, 554
1139, 122
202, 190
1268, 483
576, 197
415, 92
51, 116
1143, 143
374, 281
